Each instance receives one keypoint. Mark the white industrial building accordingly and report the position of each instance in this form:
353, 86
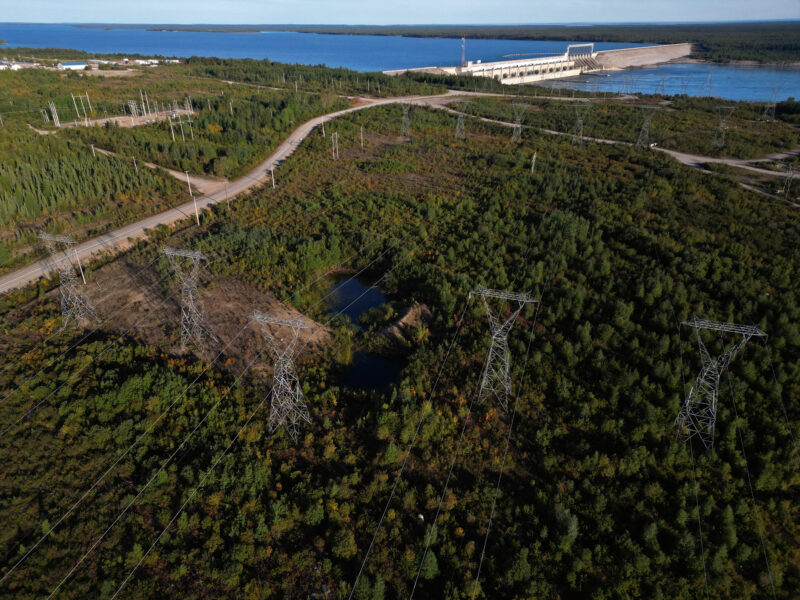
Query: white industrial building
71, 66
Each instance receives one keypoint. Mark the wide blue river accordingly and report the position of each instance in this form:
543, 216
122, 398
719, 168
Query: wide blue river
380, 53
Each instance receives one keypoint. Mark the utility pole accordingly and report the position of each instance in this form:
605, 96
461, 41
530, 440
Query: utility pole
533, 163
191, 129
135, 166
189, 183
323, 129
89, 102
93, 154
643, 142
272, 174
496, 378
180, 122
725, 113
335, 145
75, 104
288, 407
171, 131
698, 414
405, 123
362, 137
75, 306
141, 96
194, 321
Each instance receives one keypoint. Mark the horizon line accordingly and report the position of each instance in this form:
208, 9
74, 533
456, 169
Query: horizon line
552, 24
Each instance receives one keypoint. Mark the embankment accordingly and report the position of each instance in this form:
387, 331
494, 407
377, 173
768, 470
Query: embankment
641, 57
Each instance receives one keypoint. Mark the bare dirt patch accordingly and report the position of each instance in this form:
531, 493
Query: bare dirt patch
145, 304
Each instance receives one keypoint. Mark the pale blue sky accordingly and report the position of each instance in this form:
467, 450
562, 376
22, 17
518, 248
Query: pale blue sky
381, 12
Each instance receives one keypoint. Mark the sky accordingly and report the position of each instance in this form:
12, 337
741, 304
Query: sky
379, 12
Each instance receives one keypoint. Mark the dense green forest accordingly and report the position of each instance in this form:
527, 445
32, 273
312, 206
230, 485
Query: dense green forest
597, 498
48, 183
53, 182
228, 135
776, 41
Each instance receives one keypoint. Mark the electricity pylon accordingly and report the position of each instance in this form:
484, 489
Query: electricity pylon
708, 85
405, 123
580, 114
769, 108
661, 88
787, 184
335, 145
519, 112
496, 377
54, 112
685, 85
461, 133
644, 134
698, 414
194, 322
288, 407
75, 306
134, 108
725, 113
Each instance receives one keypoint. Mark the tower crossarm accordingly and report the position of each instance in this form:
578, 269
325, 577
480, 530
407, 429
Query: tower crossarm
57, 239
184, 253
745, 330
267, 320
489, 293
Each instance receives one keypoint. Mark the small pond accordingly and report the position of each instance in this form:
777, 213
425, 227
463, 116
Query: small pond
369, 371
352, 298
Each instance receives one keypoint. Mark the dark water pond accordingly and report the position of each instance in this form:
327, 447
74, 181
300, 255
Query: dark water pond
353, 298
370, 371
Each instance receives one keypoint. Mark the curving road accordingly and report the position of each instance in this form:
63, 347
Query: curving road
122, 238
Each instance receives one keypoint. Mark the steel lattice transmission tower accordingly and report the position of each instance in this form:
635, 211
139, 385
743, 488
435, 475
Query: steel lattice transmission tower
194, 322
288, 407
54, 112
461, 132
787, 184
405, 123
725, 113
661, 88
698, 414
769, 108
75, 306
335, 145
580, 115
644, 134
496, 377
519, 112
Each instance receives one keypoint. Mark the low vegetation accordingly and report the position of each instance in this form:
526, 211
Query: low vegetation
597, 498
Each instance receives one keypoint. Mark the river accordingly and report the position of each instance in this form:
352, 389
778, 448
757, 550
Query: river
381, 53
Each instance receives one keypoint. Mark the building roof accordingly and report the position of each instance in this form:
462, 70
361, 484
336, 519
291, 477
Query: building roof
74, 63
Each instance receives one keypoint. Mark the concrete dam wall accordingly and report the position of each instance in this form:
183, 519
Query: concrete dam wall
641, 57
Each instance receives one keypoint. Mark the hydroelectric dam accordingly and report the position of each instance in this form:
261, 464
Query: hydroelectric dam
578, 59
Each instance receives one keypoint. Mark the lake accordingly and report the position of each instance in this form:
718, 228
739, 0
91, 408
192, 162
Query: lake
381, 53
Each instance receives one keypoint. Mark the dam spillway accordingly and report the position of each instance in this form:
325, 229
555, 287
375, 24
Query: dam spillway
578, 59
